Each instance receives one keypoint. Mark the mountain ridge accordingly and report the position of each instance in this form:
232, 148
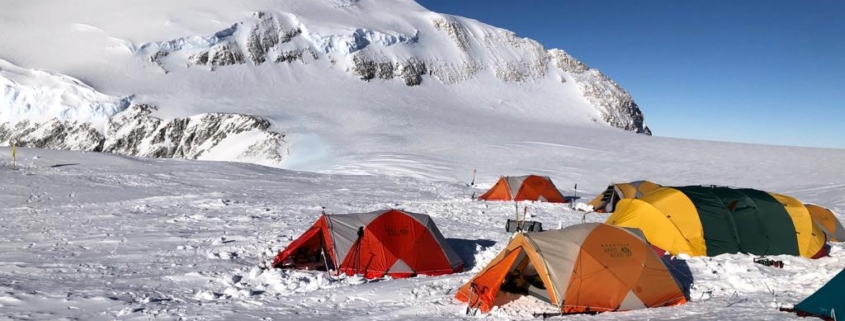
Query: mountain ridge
372, 41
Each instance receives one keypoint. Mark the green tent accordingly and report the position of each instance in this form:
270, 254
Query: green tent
742, 220
827, 301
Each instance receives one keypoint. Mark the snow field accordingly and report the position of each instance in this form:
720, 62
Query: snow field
102, 237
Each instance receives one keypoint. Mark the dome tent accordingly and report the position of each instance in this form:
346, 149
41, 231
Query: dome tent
590, 267
390, 242
524, 188
699, 221
606, 201
828, 222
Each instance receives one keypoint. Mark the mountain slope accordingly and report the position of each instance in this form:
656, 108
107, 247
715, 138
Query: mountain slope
322, 74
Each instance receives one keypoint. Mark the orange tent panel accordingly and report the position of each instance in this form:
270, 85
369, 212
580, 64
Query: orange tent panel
589, 267
539, 188
499, 192
524, 188
482, 291
375, 244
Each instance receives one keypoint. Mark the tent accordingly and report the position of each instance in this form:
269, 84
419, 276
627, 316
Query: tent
524, 188
606, 201
826, 302
699, 220
583, 268
828, 222
390, 242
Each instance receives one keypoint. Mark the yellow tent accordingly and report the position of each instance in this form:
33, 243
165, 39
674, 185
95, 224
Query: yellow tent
699, 221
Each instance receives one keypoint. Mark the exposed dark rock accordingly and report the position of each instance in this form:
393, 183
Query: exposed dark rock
226, 53
412, 71
286, 35
200, 58
136, 132
296, 55
54, 134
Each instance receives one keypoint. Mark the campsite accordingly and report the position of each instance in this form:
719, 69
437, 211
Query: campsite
110, 237
416, 160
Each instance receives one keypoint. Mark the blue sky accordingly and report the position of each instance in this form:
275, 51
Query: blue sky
759, 71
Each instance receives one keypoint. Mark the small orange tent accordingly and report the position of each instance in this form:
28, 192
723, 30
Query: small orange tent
589, 267
390, 242
828, 222
606, 201
524, 188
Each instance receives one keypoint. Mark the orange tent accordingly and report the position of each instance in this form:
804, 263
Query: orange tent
828, 222
606, 201
589, 267
390, 242
524, 188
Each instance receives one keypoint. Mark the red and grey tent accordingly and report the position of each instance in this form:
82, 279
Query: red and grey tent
375, 244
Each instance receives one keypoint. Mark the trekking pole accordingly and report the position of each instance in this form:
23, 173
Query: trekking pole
473, 178
574, 197
516, 211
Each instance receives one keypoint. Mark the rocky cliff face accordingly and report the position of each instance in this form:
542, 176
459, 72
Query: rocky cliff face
136, 132
615, 105
46, 110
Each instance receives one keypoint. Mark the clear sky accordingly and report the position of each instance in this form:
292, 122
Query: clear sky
759, 71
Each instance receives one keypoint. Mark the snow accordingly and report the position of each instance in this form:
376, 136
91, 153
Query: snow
37, 95
96, 236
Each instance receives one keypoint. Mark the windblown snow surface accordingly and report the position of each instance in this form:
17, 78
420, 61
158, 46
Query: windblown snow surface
95, 236
92, 236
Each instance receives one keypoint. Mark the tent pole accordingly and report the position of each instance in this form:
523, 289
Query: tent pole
524, 214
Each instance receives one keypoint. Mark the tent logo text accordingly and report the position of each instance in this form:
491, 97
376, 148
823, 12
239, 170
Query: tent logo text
617, 251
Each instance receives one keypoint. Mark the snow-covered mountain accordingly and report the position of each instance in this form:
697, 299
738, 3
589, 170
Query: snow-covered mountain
297, 83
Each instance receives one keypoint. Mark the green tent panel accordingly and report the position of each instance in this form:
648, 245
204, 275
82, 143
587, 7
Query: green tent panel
720, 233
777, 222
753, 235
827, 301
